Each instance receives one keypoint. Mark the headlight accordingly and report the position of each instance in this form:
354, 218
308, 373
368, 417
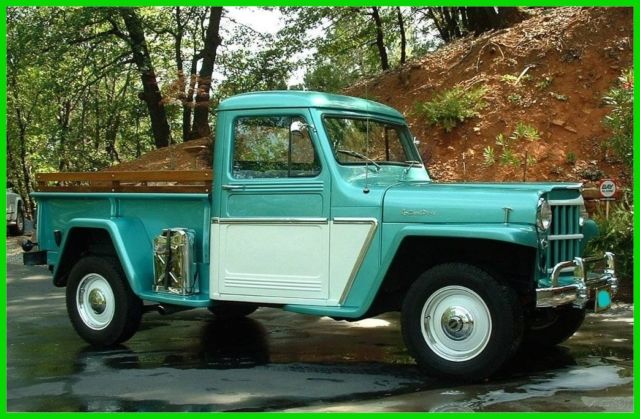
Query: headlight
584, 215
543, 217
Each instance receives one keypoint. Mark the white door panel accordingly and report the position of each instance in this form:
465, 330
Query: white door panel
288, 261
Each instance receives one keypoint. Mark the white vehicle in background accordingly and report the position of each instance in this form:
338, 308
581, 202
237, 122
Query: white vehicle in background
15, 212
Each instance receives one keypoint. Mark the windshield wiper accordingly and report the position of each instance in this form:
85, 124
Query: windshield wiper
411, 164
360, 156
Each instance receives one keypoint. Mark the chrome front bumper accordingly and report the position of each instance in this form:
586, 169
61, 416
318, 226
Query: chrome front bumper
589, 275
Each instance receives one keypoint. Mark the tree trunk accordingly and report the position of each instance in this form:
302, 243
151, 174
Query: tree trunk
403, 37
151, 93
482, 19
64, 114
510, 16
382, 51
187, 109
439, 23
182, 96
212, 40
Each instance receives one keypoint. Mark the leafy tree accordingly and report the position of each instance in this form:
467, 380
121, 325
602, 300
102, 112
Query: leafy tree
455, 22
620, 119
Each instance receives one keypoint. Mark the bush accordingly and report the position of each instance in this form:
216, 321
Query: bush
509, 144
620, 120
453, 106
616, 235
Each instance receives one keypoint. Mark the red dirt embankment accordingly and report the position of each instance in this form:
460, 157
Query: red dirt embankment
566, 59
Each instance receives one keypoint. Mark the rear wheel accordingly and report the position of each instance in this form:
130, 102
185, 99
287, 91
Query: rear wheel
459, 323
102, 308
18, 228
551, 326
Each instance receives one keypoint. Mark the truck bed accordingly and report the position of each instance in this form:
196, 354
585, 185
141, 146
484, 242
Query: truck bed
164, 181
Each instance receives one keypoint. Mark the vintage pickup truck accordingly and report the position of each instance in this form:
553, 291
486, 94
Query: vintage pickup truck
15, 212
320, 204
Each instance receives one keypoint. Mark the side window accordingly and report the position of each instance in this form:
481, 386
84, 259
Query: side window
273, 147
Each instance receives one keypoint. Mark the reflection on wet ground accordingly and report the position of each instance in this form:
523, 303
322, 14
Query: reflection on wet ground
274, 361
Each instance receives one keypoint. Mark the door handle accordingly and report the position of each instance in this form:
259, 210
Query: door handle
232, 187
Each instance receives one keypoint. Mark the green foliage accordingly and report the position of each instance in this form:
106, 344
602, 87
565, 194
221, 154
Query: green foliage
513, 80
571, 158
512, 153
489, 155
344, 40
525, 132
452, 107
515, 98
326, 78
509, 157
593, 173
558, 96
620, 119
544, 82
616, 235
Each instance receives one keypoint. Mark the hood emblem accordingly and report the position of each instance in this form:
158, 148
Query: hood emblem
507, 212
417, 213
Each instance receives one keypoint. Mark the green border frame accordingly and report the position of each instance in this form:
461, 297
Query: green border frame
550, 3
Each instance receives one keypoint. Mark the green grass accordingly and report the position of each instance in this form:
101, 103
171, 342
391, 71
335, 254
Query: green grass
452, 107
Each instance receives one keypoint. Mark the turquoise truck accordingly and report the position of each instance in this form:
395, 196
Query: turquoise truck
320, 204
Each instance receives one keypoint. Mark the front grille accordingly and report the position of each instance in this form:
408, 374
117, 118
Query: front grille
565, 235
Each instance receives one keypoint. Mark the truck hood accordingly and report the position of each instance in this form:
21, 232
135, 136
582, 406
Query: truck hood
477, 203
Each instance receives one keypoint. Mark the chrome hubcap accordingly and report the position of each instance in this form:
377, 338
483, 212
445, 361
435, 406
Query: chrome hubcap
95, 301
456, 323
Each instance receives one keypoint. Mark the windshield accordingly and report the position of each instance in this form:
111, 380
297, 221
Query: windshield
364, 140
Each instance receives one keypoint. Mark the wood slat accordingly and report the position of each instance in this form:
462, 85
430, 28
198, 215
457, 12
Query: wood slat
129, 188
187, 181
137, 176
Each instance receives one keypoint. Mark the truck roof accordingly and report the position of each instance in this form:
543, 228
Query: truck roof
305, 99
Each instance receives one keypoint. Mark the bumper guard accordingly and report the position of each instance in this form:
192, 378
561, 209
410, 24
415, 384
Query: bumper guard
589, 275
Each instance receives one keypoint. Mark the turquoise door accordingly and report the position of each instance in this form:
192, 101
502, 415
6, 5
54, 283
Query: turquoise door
271, 241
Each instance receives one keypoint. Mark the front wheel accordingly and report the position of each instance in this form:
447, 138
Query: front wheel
102, 308
550, 326
459, 323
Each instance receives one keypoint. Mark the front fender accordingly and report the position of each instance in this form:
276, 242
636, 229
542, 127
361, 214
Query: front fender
394, 234
130, 241
365, 287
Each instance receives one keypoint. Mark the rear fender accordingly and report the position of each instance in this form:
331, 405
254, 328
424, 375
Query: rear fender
130, 242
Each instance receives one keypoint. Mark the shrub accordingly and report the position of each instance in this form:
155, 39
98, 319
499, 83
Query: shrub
452, 107
489, 155
571, 158
515, 98
509, 144
620, 120
525, 132
616, 235
545, 82
513, 80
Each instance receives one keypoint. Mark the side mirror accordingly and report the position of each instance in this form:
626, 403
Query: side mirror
298, 127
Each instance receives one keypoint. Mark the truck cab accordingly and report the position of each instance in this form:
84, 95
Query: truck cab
320, 204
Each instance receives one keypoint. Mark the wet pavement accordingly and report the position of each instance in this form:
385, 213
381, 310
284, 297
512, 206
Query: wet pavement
275, 361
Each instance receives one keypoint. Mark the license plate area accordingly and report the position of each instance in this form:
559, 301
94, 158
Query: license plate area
602, 299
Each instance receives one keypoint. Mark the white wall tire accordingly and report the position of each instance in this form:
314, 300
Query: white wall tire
456, 323
101, 306
95, 301
459, 323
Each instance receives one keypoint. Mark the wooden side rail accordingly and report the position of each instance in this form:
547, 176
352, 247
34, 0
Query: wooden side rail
186, 181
